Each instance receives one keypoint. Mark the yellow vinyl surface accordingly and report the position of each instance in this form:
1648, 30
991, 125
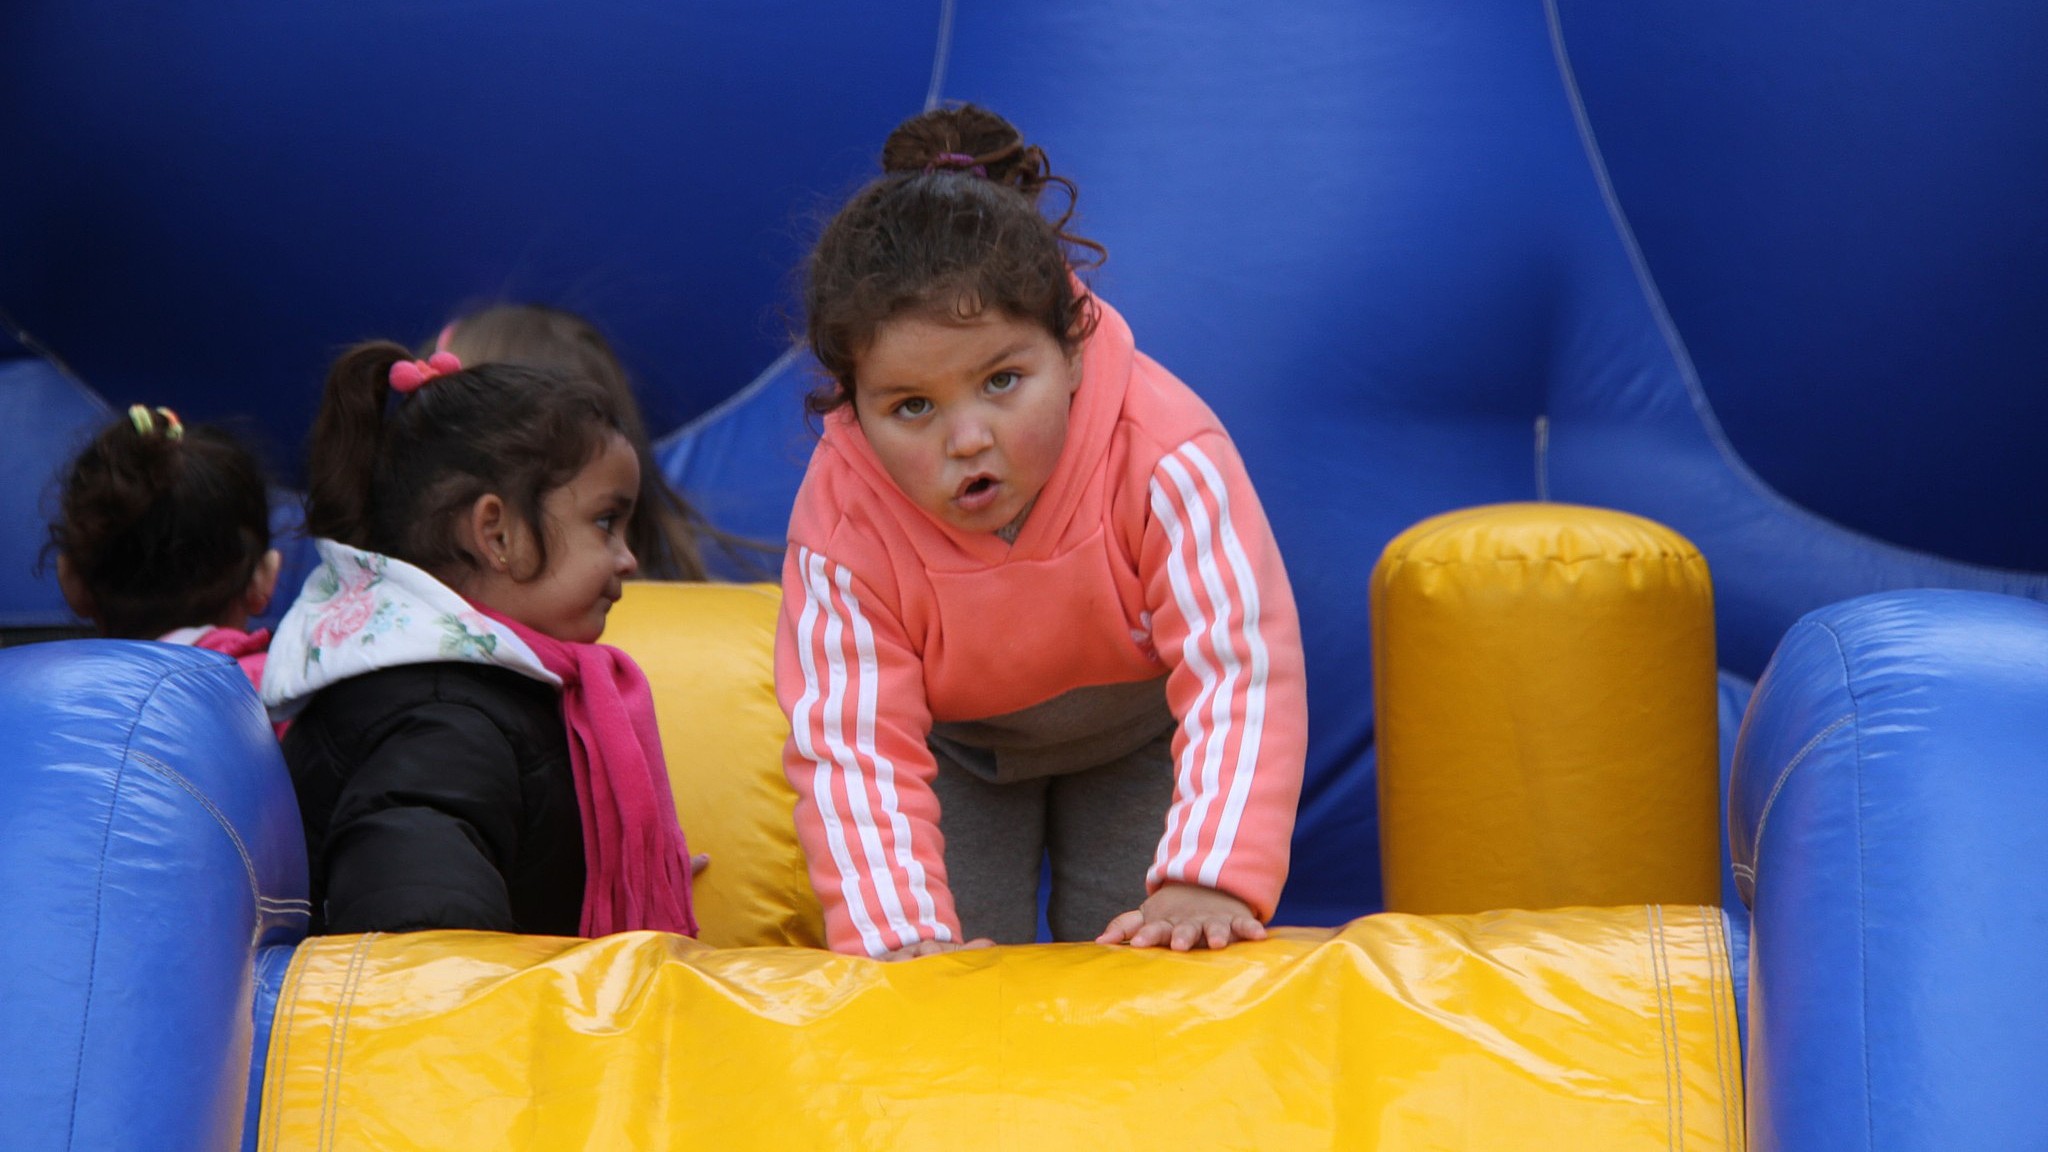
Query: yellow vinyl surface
1603, 1029
709, 654
1545, 708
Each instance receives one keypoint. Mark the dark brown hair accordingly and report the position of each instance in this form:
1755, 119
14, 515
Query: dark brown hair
664, 530
161, 532
397, 477
952, 228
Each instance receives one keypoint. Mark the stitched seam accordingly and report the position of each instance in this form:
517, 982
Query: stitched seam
213, 810
2028, 583
1862, 885
98, 904
1736, 1057
1763, 820
1663, 1020
1675, 1071
330, 1115
941, 56
1596, 163
338, 1043
734, 401
273, 1081
1862, 928
1717, 972
1714, 1012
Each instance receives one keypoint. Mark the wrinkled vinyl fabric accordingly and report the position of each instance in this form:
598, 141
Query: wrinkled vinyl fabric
1546, 700
1585, 1028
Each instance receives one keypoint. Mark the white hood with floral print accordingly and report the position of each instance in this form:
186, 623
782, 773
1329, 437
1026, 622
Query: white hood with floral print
361, 611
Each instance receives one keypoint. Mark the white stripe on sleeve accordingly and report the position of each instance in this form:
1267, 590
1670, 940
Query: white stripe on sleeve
1190, 805
801, 731
1255, 689
885, 771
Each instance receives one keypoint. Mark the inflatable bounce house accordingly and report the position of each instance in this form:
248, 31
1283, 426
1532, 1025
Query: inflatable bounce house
1647, 400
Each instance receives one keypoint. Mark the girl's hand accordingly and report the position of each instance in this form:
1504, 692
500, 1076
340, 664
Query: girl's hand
1184, 916
699, 863
934, 947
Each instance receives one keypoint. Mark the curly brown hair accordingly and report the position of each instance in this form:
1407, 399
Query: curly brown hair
952, 228
397, 477
160, 530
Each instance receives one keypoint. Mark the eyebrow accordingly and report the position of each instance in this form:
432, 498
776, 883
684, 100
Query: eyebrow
1009, 352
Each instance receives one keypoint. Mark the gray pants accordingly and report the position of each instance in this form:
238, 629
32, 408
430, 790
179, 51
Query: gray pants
1084, 779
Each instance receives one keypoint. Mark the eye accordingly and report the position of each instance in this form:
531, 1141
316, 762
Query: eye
912, 408
1002, 382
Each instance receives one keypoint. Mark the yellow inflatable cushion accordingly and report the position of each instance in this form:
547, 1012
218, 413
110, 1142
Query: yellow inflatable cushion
709, 654
1545, 704
1606, 1029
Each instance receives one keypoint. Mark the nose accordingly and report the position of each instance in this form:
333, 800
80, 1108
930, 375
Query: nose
968, 435
626, 563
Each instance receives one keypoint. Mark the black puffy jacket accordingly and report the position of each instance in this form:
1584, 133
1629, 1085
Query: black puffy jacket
438, 796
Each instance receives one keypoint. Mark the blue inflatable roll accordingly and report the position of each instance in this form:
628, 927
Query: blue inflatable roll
1887, 818
149, 845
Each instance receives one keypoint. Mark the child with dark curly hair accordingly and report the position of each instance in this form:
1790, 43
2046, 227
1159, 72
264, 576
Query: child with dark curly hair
1032, 608
163, 533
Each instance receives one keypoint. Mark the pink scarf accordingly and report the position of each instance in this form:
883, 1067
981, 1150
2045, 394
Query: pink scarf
249, 649
636, 862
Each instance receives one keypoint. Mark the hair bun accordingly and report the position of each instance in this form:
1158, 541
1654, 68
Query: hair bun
965, 138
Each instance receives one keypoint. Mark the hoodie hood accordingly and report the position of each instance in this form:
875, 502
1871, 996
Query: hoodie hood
361, 612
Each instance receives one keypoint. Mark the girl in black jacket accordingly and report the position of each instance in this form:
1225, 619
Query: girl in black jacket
466, 755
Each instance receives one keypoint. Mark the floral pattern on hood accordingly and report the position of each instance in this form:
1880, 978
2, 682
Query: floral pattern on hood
361, 611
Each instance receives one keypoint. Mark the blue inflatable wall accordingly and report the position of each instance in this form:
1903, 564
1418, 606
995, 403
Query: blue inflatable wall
1418, 256
149, 847
1887, 812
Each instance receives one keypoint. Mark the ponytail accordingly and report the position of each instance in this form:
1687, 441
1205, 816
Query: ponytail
160, 526
396, 476
347, 434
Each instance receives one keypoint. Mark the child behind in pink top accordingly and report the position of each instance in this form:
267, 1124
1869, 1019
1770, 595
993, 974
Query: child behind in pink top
1032, 609
163, 533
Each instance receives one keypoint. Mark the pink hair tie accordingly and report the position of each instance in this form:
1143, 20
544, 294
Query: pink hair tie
955, 162
408, 375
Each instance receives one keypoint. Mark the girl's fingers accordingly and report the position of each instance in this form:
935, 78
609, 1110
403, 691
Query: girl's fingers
1214, 932
1122, 928
1152, 935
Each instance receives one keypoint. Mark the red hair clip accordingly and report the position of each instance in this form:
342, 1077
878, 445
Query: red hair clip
408, 375
955, 162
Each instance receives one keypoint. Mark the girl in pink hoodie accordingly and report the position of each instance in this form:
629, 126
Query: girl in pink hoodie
1032, 608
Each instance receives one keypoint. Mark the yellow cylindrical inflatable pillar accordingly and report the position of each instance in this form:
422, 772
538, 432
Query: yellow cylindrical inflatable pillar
1545, 700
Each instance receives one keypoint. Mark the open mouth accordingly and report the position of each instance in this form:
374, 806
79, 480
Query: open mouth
976, 492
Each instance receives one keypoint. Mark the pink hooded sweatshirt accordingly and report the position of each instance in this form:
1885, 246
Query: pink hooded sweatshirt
1146, 554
